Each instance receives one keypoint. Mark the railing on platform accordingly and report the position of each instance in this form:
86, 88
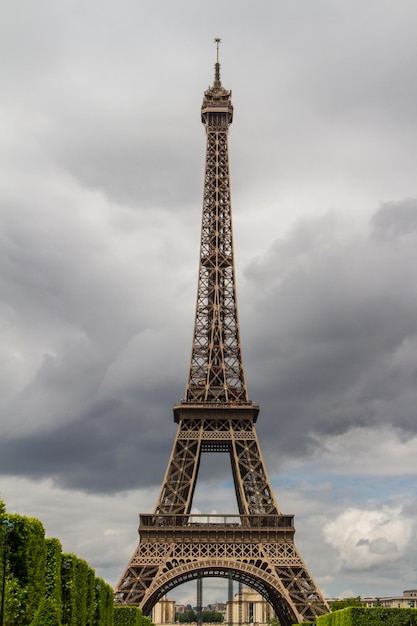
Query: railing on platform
217, 521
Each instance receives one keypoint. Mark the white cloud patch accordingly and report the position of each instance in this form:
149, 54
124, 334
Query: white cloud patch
364, 539
384, 451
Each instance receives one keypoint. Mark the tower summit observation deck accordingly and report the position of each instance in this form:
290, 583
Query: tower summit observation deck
256, 546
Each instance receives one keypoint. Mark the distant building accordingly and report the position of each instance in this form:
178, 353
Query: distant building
249, 607
407, 601
164, 611
217, 607
246, 608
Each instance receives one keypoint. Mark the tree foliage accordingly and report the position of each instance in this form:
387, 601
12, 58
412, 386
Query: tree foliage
337, 605
44, 587
187, 617
53, 582
191, 616
27, 558
48, 614
212, 616
103, 604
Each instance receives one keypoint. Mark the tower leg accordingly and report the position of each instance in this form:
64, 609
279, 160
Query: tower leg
230, 601
199, 600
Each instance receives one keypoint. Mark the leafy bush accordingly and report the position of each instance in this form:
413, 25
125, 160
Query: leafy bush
103, 603
82, 591
47, 614
45, 587
127, 616
336, 605
15, 602
364, 616
27, 558
78, 591
53, 570
68, 582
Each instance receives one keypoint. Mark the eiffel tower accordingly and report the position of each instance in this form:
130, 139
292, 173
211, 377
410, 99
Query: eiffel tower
255, 547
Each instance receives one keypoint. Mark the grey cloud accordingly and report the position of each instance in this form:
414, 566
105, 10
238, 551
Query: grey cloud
382, 546
336, 318
331, 317
395, 220
117, 446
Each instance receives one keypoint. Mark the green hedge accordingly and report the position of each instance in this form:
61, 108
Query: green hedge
48, 614
45, 587
53, 582
84, 595
2, 533
69, 605
26, 579
86, 600
78, 592
103, 603
15, 602
127, 616
365, 616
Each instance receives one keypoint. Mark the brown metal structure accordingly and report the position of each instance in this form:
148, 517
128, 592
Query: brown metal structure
255, 547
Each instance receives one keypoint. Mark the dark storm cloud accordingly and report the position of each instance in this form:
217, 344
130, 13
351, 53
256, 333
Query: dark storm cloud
330, 344
114, 448
335, 329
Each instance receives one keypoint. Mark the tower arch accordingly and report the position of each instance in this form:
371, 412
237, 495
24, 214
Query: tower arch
250, 575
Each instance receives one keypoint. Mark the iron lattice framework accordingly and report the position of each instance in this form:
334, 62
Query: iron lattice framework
257, 546
216, 370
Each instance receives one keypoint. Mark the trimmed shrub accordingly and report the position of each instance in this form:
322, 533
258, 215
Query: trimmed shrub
68, 581
127, 616
103, 604
78, 592
2, 533
81, 591
27, 558
15, 602
47, 614
53, 581
369, 616
47, 588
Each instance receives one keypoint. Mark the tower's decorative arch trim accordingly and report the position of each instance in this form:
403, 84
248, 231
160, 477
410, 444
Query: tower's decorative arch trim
256, 577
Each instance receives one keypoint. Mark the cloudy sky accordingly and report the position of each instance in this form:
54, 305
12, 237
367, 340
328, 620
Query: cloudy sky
101, 179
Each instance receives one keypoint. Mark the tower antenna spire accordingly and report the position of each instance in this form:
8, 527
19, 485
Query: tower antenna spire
217, 41
217, 81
